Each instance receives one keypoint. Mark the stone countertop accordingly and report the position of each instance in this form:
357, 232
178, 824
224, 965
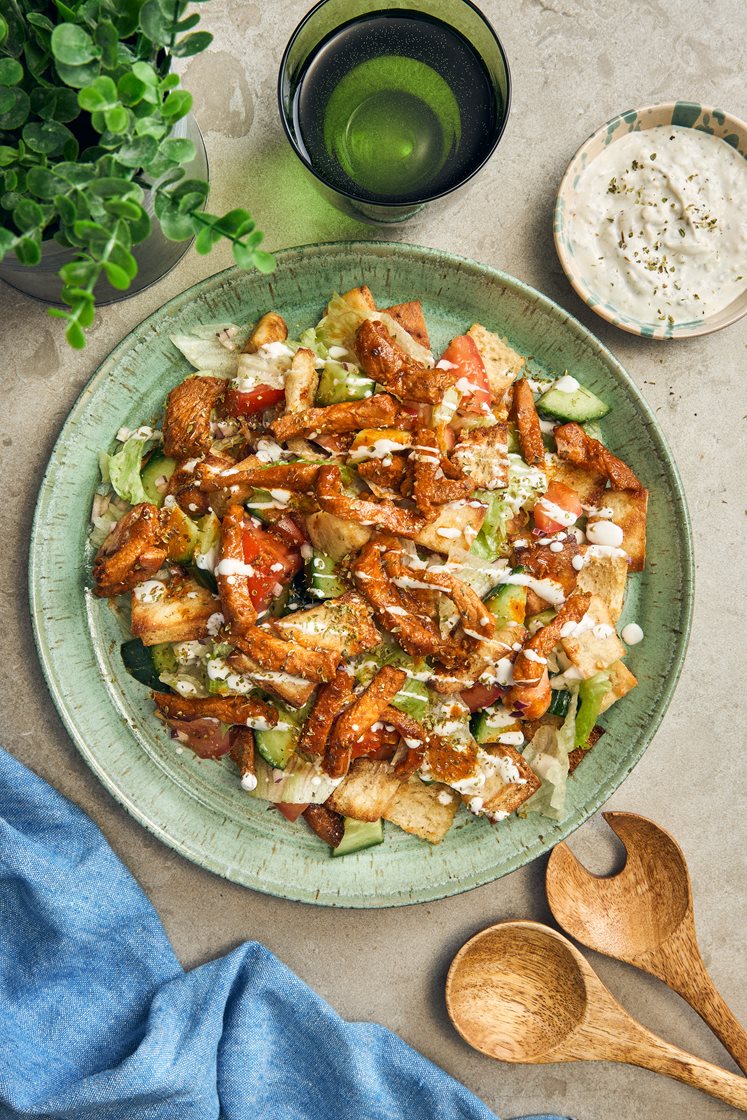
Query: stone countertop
575, 63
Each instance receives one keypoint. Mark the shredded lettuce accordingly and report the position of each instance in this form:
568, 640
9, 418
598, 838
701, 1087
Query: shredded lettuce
310, 340
525, 484
202, 348
301, 783
547, 754
340, 323
591, 693
123, 469
490, 541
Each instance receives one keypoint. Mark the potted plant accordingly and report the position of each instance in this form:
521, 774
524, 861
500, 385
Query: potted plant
95, 143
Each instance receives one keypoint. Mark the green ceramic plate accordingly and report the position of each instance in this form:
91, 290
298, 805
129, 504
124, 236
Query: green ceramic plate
198, 807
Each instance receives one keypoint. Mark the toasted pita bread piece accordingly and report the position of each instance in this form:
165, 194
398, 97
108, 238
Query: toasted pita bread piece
270, 328
455, 527
424, 809
629, 512
597, 647
360, 299
343, 625
513, 783
336, 536
482, 453
605, 577
294, 691
410, 316
502, 364
621, 680
366, 792
179, 613
587, 483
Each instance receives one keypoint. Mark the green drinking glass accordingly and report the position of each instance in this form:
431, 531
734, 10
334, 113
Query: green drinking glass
394, 105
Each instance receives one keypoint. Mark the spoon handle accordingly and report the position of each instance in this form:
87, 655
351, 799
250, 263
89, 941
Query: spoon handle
680, 965
698, 989
652, 1052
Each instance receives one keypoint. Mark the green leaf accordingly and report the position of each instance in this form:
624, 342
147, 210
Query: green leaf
55, 104
130, 89
3, 29
154, 24
171, 81
28, 250
115, 186
126, 17
177, 105
14, 108
175, 226
188, 23
11, 72
8, 155
101, 94
78, 76
105, 34
145, 72
36, 19
47, 138
178, 150
235, 223
43, 183
117, 120
149, 126
137, 152
65, 208
123, 208
72, 45
116, 276
140, 227
244, 257
124, 471
124, 260
78, 272
192, 44
28, 215
74, 335
263, 262
205, 239
7, 242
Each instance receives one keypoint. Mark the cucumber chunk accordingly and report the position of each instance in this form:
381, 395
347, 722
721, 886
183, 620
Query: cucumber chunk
486, 728
277, 745
338, 384
560, 702
138, 661
155, 476
359, 835
182, 536
508, 603
321, 577
580, 404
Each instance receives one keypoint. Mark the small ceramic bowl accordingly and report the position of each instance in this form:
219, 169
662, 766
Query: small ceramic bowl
687, 114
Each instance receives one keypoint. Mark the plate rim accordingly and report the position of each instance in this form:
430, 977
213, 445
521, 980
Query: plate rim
563, 829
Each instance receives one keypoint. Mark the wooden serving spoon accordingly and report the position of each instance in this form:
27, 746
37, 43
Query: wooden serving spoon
643, 915
521, 992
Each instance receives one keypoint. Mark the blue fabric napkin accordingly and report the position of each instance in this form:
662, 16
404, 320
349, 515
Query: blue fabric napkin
98, 1020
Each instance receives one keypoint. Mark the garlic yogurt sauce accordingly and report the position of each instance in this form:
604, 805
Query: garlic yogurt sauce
659, 230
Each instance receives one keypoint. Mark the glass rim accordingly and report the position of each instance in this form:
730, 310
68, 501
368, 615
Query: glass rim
500, 129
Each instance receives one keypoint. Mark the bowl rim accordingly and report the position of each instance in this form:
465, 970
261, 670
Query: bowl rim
642, 330
362, 199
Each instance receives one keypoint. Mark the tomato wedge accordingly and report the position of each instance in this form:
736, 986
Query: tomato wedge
565, 499
481, 696
290, 810
274, 562
471, 375
208, 738
256, 400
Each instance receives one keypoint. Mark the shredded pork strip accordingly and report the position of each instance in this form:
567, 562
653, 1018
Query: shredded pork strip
131, 553
527, 424
395, 612
277, 655
578, 448
186, 426
386, 362
384, 514
228, 709
231, 573
530, 695
331, 700
379, 411
356, 720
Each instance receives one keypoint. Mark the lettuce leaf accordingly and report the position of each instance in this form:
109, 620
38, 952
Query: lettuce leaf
301, 783
123, 469
547, 754
203, 350
491, 540
591, 693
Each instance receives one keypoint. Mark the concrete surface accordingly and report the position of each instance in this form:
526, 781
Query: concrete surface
575, 63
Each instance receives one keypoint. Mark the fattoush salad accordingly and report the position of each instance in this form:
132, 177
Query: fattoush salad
385, 585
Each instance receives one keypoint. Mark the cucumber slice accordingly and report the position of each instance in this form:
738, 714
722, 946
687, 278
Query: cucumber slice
277, 745
155, 476
486, 726
580, 404
182, 536
163, 658
560, 702
205, 555
537, 621
321, 577
138, 661
413, 698
509, 602
338, 384
359, 835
